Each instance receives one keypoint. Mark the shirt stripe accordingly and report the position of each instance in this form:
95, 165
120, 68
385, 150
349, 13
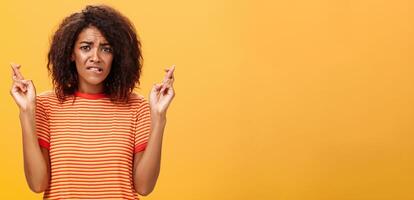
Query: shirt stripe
92, 143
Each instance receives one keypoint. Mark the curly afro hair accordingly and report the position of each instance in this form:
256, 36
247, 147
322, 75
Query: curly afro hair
121, 35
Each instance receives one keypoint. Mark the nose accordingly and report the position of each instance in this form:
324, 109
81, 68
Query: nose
95, 56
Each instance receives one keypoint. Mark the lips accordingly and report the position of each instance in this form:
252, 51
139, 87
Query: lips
94, 69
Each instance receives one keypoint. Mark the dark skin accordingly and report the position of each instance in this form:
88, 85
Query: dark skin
92, 49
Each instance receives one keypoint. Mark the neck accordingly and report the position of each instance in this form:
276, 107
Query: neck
90, 89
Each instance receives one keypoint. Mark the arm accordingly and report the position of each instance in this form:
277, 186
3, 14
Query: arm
147, 163
36, 159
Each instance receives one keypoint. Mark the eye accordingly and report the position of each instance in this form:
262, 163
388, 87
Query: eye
85, 48
107, 49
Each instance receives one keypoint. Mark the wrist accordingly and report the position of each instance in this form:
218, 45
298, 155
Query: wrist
27, 114
158, 118
28, 110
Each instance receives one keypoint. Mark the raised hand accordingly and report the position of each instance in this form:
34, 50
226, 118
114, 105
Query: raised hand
162, 94
22, 91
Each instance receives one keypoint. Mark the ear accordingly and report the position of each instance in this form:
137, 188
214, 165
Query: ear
72, 57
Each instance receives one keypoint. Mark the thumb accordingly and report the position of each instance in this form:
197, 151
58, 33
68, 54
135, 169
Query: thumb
156, 87
155, 90
29, 84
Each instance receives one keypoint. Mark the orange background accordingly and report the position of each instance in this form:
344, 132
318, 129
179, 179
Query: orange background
285, 100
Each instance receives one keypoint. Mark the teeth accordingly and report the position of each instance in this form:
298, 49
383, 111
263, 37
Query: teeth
94, 69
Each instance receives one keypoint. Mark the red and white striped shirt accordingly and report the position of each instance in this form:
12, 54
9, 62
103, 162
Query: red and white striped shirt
92, 143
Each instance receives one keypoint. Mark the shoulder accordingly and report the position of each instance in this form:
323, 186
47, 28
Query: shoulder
47, 98
44, 99
137, 98
139, 103
46, 94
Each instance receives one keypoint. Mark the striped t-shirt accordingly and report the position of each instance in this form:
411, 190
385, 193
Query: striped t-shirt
92, 143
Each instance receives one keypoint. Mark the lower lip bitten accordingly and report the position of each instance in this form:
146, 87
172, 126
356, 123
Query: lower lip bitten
95, 70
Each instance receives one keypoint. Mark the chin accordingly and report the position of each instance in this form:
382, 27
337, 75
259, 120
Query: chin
94, 81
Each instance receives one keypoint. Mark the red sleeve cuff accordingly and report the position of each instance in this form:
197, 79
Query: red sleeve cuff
44, 144
140, 147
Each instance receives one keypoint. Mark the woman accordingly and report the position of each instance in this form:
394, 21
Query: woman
93, 137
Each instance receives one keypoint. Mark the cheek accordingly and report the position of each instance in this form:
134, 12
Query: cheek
80, 57
79, 60
108, 60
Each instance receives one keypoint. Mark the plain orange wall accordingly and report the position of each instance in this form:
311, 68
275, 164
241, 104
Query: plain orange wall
278, 100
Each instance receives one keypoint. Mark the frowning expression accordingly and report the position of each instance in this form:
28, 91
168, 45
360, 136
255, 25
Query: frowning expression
93, 57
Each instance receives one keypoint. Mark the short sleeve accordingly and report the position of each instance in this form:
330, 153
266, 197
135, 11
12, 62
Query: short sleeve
143, 126
42, 124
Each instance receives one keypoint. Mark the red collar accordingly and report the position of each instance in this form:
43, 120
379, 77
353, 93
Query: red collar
90, 96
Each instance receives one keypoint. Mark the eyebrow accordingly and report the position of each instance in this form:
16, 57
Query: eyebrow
89, 43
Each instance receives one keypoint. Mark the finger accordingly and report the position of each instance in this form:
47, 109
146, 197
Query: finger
13, 75
28, 84
172, 72
31, 86
165, 83
169, 84
172, 79
24, 85
157, 86
169, 74
20, 85
16, 71
166, 86
168, 90
13, 66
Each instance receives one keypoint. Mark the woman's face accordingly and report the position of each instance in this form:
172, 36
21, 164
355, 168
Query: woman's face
93, 57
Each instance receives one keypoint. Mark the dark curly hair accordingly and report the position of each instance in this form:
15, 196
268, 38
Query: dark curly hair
121, 35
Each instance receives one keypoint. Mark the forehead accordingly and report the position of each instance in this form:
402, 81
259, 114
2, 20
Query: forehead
91, 34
